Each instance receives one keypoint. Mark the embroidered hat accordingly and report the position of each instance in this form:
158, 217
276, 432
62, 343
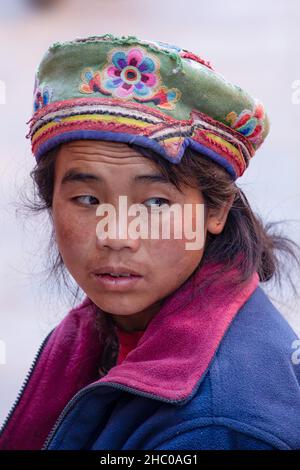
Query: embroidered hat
151, 94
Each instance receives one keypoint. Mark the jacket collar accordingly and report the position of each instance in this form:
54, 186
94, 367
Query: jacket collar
180, 342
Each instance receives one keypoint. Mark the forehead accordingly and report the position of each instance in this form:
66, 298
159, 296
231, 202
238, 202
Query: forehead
101, 162
92, 152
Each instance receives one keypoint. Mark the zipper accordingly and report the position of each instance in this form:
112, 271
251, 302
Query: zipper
91, 387
25, 383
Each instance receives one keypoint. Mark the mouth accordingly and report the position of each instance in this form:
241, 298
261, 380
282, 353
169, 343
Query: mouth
117, 278
121, 281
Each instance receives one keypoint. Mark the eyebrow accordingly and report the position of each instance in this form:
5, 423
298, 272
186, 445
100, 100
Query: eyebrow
73, 175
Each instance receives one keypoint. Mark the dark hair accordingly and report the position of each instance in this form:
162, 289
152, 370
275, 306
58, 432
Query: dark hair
264, 250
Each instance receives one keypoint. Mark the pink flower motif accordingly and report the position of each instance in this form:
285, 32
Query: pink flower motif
131, 74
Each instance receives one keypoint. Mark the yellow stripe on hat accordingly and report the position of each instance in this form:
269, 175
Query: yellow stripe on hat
93, 117
232, 149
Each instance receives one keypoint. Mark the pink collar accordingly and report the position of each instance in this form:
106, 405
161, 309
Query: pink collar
179, 343
170, 359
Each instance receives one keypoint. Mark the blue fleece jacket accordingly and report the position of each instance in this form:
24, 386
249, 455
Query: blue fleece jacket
216, 371
249, 398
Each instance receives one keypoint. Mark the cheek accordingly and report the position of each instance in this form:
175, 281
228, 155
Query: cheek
73, 233
186, 251
172, 262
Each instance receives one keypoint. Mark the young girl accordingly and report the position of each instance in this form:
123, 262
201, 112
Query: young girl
175, 345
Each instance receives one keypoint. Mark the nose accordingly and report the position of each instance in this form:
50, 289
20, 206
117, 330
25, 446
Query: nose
114, 232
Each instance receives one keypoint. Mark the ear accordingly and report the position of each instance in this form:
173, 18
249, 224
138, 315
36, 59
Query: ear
216, 218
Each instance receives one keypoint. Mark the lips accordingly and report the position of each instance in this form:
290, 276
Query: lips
117, 276
117, 272
117, 282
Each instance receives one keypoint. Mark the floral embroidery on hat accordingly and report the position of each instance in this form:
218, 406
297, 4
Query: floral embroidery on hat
164, 98
249, 123
194, 59
168, 46
42, 96
132, 73
91, 82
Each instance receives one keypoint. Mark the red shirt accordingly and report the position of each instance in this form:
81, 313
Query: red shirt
128, 341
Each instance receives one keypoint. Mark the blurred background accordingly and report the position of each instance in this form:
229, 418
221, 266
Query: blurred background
254, 45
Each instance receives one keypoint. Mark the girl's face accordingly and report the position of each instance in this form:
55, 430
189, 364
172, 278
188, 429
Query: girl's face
89, 173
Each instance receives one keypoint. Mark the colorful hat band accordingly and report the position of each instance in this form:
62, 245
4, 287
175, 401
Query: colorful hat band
116, 120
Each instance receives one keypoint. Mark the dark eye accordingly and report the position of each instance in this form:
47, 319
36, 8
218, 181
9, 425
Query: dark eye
79, 198
158, 199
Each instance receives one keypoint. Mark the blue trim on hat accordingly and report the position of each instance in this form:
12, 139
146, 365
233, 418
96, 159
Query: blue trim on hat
138, 140
109, 136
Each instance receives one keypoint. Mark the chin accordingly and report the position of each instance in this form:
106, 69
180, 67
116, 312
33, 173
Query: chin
118, 308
